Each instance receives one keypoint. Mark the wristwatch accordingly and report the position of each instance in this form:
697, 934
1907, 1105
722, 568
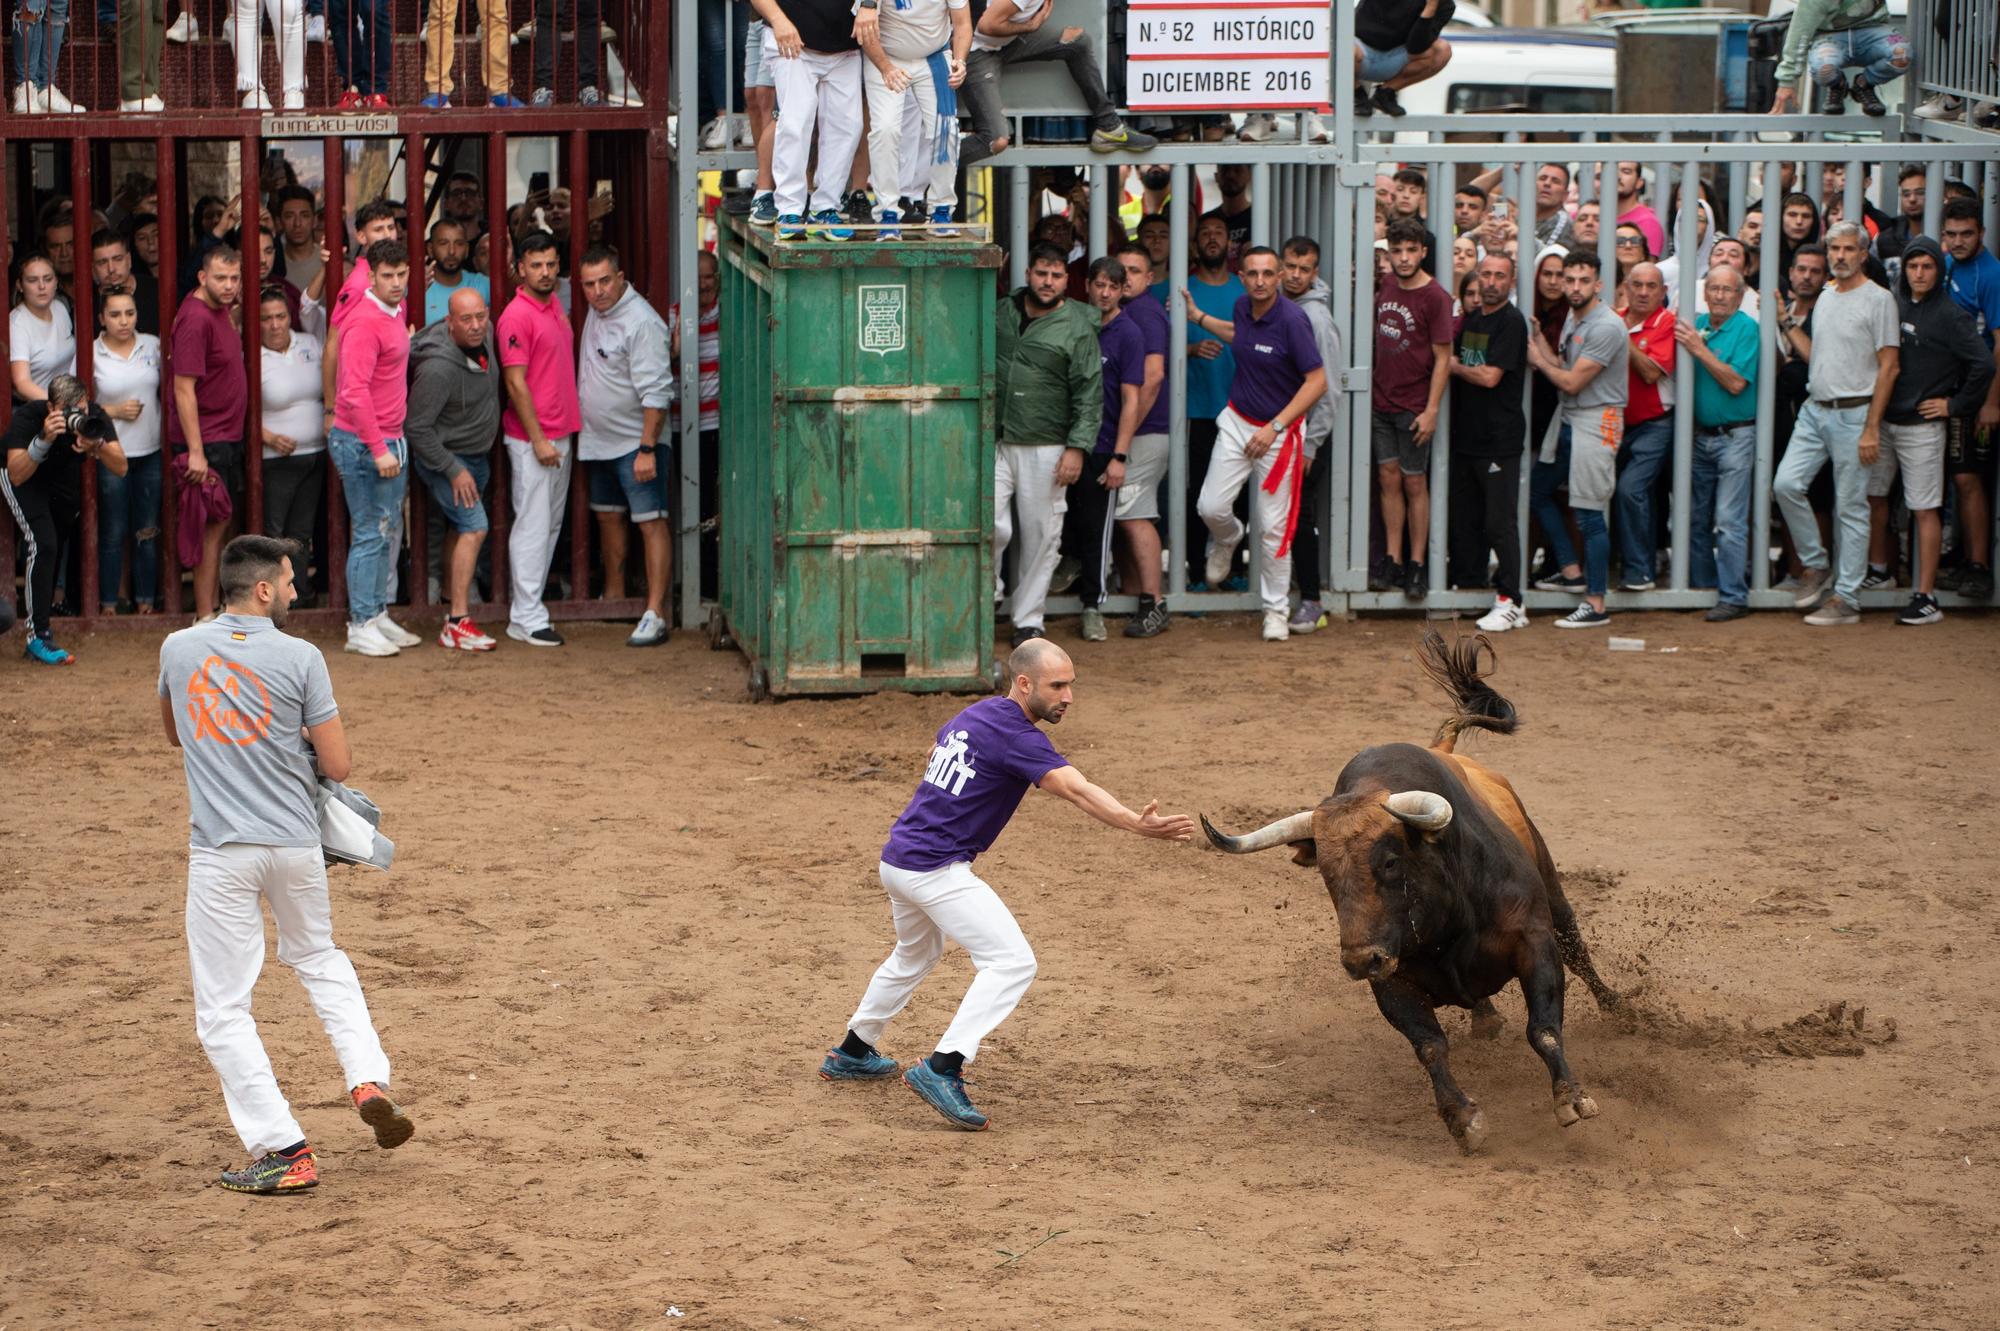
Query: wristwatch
648, 448
868, 4
1121, 457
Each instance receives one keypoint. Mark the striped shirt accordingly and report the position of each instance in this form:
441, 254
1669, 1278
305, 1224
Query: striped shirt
708, 352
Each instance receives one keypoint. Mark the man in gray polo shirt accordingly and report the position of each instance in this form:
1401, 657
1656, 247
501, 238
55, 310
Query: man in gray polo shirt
251, 709
1856, 352
624, 384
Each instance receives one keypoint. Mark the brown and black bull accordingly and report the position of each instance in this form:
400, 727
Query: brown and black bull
1444, 889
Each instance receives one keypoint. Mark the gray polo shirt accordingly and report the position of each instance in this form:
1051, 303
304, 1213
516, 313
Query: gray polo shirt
242, 692
622, 368
1848, 328
1599, 336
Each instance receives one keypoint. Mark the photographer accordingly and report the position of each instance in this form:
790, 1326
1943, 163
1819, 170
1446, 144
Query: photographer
43, 482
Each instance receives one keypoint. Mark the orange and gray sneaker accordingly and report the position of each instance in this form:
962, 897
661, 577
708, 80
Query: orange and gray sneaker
294, 1170
392, 1126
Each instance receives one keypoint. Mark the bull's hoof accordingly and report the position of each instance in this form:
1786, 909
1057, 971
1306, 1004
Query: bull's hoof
1572, 1107
1471, 1135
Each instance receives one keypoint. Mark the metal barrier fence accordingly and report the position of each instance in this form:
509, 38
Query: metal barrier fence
1957, 48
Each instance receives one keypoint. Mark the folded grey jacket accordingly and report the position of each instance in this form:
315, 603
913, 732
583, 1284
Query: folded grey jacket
350, 827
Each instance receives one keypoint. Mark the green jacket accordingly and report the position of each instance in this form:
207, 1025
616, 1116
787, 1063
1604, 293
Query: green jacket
1815, 17
1049, 375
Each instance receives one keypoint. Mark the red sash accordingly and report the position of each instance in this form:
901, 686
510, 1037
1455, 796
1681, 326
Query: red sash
1292, 462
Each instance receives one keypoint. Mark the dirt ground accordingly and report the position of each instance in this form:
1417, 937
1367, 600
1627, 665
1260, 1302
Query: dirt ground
630, 910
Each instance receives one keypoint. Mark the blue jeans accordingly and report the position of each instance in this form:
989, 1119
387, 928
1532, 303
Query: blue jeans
39, 26
1880, 53
374, 510
1596, 550
1543, 482
1651, 444
1825, 433
1720, 531
359, 32
129, 505
711, 38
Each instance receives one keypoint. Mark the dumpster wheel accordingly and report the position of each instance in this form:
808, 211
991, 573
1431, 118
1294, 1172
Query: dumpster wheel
717, 631
760, 682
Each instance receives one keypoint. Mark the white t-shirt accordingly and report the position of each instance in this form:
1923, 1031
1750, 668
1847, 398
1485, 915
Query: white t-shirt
292, 402
47, 345
122, 378
1028, 10
919, 29
1849, 327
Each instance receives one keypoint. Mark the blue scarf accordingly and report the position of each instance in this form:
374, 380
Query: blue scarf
947, 103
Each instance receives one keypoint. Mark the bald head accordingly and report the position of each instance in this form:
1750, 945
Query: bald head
1035, 657
1043, 675
1646, 288
466, 316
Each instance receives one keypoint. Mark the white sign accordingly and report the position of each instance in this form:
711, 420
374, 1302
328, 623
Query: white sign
882, 318
308, 126
1226, 56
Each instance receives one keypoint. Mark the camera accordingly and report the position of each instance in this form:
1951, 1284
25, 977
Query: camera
87, 420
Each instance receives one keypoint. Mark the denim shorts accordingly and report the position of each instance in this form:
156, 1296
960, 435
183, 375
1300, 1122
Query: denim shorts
1380, 66
462, 520
613, 489
755, 75
1392, 437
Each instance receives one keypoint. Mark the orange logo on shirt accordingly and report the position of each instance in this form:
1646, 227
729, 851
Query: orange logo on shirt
228, 703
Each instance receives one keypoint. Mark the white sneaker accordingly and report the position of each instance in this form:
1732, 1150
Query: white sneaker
184, 29
295, 99
143, 104
1503, 616
715, 135
652, 631
53, 101
25, 102
1942, 106
1258, 126
1274, 626
367, 640
1313, 129
1221, 563
393, 631
256, 99
316, 27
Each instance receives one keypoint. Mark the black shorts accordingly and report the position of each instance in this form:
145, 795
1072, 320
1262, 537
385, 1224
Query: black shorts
225, 459
1967, 452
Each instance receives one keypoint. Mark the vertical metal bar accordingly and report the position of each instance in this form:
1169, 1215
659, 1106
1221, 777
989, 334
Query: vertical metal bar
250, 233
1326, 199
85, 597
581, 529
1441, 183
1525, 271
1019, 226
1260, 193
1933, 198
1850, 199
167, 178
1586, 180
1361, 359
415, 499
1991, 190
1767, 383
1607, 225
499, 281
1100, 213
1177, 423
1739, 186
334, 150
6, 514
684, 281
1342, 91
1688, 248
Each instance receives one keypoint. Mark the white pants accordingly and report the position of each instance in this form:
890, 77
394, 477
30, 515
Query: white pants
930, 909
225, 932
288, 25
902, 140
813, 87
1229, 467
1025, 475
539, 495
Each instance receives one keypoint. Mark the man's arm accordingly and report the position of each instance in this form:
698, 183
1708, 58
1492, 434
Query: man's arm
1643, 365
1150, 386
516, 377
329, 384
961, 37
1485, 376
1427, 419
189, 408
1069, 784
1221, 329
1720, 370
167, 718
329, 741
1086, 391
1572, 380
1888, 364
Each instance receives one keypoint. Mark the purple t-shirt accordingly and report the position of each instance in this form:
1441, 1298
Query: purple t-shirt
986, 758
1122, 346
1273, 356
1151, 318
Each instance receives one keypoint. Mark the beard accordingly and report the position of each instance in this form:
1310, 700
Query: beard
449, 268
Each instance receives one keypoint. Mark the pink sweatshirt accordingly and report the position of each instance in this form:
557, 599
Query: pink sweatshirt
371, 386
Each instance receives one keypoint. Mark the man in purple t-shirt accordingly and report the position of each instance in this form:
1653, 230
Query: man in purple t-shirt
1413, 336
985, 759
1138, 510
1279, 376
1121, 347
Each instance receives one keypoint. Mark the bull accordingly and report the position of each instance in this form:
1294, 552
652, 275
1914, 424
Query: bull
1444, 889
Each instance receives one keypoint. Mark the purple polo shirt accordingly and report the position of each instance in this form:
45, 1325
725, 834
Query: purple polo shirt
1122, 346
1273, 356
1151, 317
985, 759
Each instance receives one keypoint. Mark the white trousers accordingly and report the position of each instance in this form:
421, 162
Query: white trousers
902, 139
931, 909
539, 496
813, 88
1024, 476
288, 26
1229, 468
225, 932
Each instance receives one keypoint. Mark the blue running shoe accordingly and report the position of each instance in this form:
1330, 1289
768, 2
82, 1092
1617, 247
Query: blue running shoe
506, 101
944, 1094
846, 1067
791, 227
890, 230
764, 209
941, 225
830, 225
46, 651
437, 101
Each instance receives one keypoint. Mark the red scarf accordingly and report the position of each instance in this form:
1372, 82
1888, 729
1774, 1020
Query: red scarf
1291, 462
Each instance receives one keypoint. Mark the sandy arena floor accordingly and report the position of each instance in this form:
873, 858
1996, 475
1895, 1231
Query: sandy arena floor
630, 910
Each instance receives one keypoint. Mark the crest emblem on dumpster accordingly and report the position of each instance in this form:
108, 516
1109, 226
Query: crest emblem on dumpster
883, 317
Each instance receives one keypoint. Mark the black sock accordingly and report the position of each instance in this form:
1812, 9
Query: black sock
947, 1065
856, 1047
294, 1148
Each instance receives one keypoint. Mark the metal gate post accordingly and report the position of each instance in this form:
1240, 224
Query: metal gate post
415, 497
85, 598
166, 176
250, 235
334, 155
683, 209
1360, 207
500, 285
1442, 196
6, 517
1177, 316
1688, 247
1767, 385
582, 530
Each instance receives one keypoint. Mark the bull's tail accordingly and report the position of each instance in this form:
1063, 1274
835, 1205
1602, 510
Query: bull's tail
1454, 667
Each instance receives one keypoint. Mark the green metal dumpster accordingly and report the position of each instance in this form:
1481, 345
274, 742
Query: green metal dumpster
856, 462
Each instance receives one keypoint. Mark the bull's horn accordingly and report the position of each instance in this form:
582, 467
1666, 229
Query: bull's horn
1421, 809
1298, 827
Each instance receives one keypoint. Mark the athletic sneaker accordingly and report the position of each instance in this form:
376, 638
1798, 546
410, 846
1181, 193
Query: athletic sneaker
946, 1094
541, 637
367, 640
1221, 558
395, 632
1562, 582
652, 631
1583, 617
1834, 614
1877, 579
829, 225
889, 228
1416, 581
1150, 622
1814, 584
275, 1172
1092, 628
463, 635
1724, 611
1975, 582
874, 1066
857, 208
392, 1126
1068, 569
1504, 615
791, 226
764, 209
1922, 609
1308, 618
1111, 140
941, 225
1637, 585
1024, 632
45, 650
1274, 626
1387, 577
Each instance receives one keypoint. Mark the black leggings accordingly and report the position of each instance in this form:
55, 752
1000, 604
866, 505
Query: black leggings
1485, 512
38, 517
1087, 527
1305, 537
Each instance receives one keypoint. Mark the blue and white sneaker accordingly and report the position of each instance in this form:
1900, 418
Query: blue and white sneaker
941, 224
889, 228
764, 209
652, 631
791, 227
828, 224
45, 650
944, 1094
436, 101
875, 1066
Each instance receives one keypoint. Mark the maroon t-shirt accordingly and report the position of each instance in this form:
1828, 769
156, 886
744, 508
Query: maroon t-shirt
1407, 325
208, 349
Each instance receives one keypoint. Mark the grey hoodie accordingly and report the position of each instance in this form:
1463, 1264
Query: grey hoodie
454, 405
1317, 302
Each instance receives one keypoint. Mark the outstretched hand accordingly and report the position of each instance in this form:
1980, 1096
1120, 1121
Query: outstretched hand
1164, 827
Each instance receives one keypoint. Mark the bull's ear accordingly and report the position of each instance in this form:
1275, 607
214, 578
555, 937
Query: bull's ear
1305, 852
